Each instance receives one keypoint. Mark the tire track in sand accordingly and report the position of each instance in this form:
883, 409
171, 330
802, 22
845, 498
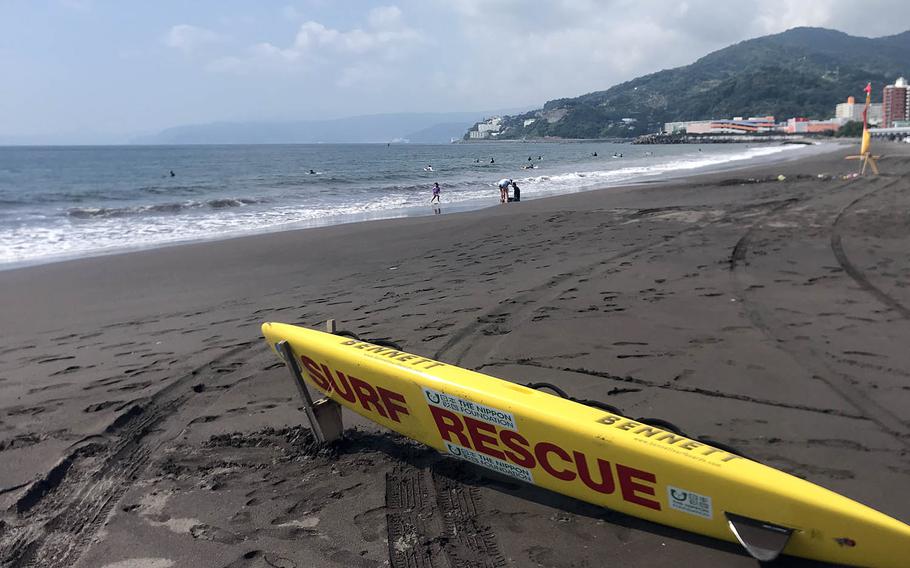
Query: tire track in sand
855, 273
57, 518
807, 356
433, 522
462, 342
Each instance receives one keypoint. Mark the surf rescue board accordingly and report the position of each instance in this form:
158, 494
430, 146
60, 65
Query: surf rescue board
596, 456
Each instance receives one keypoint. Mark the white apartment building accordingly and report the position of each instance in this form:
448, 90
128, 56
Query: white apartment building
853, 111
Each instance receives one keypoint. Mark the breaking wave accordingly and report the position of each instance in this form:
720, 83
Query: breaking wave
161, 208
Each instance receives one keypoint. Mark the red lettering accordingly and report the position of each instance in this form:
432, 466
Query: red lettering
542, 450
366, 395
480, 440
606, 484
518, 445
630, 488
346, 393
391, 401
315, 375
449, 425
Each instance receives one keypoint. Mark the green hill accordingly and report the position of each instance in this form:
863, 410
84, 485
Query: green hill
800, 72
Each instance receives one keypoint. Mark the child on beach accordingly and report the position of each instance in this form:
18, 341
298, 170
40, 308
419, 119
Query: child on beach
436, 191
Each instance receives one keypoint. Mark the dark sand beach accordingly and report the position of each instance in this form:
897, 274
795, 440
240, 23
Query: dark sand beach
144, 423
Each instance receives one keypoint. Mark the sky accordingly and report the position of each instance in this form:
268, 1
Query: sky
79, 71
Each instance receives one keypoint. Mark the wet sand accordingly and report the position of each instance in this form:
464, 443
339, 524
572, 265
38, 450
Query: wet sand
144, 423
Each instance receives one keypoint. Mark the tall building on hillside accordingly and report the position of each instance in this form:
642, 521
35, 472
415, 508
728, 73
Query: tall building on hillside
896, 102
853, 111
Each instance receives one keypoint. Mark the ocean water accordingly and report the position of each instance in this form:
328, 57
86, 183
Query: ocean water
66, 202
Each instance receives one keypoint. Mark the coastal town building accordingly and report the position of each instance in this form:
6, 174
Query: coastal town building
851, 111
806, 126
895, 102
489, 128
683, 126
737, 125
845, 112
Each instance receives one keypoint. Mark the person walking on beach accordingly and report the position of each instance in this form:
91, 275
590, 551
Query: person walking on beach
504, 184
436, 191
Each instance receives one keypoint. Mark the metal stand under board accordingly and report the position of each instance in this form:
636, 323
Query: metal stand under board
324, 414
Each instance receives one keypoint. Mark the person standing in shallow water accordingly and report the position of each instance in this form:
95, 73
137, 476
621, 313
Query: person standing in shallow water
436, 191
504, 184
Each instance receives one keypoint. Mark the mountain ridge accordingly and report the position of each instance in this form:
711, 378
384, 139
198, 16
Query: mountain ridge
800, 72
429, 127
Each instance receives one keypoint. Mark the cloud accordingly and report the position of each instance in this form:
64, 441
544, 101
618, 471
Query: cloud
385, 33
525, 54
385, 37
188, 38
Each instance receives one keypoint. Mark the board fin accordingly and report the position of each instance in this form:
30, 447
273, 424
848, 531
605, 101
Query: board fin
763, 541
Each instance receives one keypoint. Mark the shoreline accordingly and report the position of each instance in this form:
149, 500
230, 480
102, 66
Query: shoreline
665, 178
768, 315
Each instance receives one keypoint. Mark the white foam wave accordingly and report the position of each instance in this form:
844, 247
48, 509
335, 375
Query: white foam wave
65, 236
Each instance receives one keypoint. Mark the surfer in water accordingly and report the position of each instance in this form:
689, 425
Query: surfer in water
429, 168
312, 172
173, 174
436, 190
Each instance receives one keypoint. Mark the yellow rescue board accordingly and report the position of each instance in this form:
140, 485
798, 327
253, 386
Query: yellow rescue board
586, 453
